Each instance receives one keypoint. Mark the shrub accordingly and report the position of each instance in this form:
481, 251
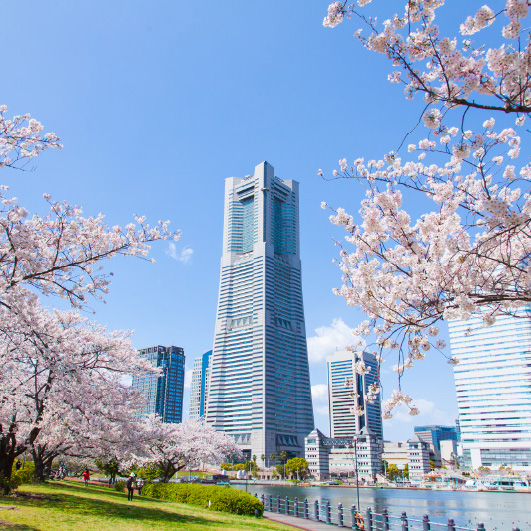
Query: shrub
24, 475
119, 486
221, 499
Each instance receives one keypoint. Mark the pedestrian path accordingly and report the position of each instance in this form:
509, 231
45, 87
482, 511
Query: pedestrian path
299, 523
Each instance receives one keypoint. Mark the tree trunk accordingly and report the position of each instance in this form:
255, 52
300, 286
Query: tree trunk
6, 466
168, 470
39, 460
9, 450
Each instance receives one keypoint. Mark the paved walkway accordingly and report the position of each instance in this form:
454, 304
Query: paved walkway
299, 523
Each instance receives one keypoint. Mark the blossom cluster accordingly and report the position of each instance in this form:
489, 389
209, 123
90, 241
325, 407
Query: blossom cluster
438, 67
471, 253
60, 253
22, 138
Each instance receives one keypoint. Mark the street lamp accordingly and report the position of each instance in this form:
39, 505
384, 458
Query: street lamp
356, 464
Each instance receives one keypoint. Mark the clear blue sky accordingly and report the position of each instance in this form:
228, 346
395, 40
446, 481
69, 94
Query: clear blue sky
157, 103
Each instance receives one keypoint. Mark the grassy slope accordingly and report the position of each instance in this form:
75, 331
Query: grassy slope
68, 506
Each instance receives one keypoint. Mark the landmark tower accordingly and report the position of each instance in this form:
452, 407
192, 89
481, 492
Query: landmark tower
259, 382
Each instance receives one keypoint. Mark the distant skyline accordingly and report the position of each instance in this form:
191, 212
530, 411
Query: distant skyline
157, 104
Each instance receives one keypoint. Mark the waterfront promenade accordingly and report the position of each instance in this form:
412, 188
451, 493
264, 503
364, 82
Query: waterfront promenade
307, 525
496, 510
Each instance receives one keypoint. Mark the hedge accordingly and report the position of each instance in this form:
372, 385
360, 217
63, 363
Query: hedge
24, 475
222, 499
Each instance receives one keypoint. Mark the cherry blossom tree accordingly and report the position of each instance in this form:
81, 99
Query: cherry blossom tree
172, 447
62, 389
471, 253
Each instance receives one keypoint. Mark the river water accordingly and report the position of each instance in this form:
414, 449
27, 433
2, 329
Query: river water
499, 511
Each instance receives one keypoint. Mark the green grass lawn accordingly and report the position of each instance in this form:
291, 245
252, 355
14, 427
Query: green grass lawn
69, 506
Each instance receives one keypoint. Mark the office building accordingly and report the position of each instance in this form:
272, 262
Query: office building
199, 385
260, 387
347, 392
435, 434
163, 392
493, 384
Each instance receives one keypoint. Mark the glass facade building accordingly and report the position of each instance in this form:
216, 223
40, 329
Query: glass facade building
493, 384
163, 392
199, 386
435, 434
259, 382
347, 390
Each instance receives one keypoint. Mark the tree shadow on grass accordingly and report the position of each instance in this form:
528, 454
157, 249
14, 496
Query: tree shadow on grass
10, 526
79, 502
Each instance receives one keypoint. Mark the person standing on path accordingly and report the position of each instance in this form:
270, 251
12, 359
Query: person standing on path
86, 476
131, 484
140, 484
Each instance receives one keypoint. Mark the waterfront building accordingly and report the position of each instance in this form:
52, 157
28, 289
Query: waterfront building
163, 392
335, 456
418, 459
364, 453
347, 391
449, 453
355, 424
316, 453
396, 453
199, 385
435, 434
260, 387
493, 384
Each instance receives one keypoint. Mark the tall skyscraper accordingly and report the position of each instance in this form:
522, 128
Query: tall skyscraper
347, 391
199, 386
163, 392
260, 386
493, 384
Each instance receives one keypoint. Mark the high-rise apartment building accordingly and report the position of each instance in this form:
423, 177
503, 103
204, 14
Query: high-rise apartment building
260, 387
199, 385
347, 391
163, 392
493, 384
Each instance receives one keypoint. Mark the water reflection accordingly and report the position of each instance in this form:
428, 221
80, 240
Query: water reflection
497, 510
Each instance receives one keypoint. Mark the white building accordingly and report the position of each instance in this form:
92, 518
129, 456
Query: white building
365, 452
418, 460
396, 453
195, 390
493, 384
199, 385
316, 453
260, 386
347, 391
449, 453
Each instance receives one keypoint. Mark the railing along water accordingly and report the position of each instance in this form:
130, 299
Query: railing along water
323, 511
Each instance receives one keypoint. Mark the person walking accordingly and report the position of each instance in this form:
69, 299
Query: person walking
139, 484
131, 484
86, 476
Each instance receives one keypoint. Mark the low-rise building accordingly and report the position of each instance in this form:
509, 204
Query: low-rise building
396, 453
449, 453
331, 456
316, 453
418, 459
